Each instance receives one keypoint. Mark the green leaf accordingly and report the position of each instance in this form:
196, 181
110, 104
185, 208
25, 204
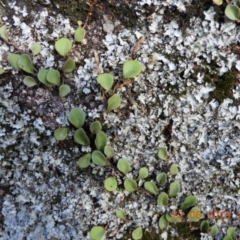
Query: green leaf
77, 117
161, 178
98, 158
162, 199
53, 77
42, 73
101, 140
218, 2
123, 165
231, 232
173, 218
232, 11
174, 189
79, 34
131, 68
105, 80
13, 60
63, 46
29, 81
162, 154
95, 127
143, 173
2, 70
110, 184
194, 214
130, 185
114, 102
174, 169
227, 238
35, 48
151, 187
64, 90
61, 133
108, 151
189, 202
3, 33
137, 233
97, 233
69, 66
213, 231
163, 223
121, 214
84, 161
25, 63
81, 137
204, 227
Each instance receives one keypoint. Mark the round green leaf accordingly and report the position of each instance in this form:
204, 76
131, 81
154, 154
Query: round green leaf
123, 165
101, 140
63, 46
218, 2
35, 48
189, 202
161, 178
3, 33
105, 80
64, 90
173, 218
25, 63
163, 223
114, 102
79, 34
13, 60
162, 154
137, 233
29, 81
194, 214
60, 133
98, 158
231, 232
162, 199
84, 161
81, 137
143, 173
130, 185
151, 187
227, 238
174, 169
204, 227
214, 231
53, 77
97, 233
95, 127
232, 11
174, 189
77, 117
131, 68
110, 184
121, 214
69, 66
42, 73
108, 151
2, 70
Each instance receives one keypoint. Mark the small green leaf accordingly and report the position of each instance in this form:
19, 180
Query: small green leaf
84, 161
213, 231
194, 214
174, 189
151, 187
137, 233
60, 133
189, 202
97, 233
218, 2
29, 81
161, 178
13, 60
77, 117
81, 137
143, 173
69, 66
53, 77
3, 33
42, 73
101, 140
35, 48
95, 127
63, 46
231, 232
162, 199
2, 70
130, 185
98, 158
173, 218
162, 154
114, 102
123, 166
25, 63
105, 80
204, 227
174, 169
64, 90
110, 184
232, 11
79, 34
108, 151
163, 223
131, 68
121, 214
